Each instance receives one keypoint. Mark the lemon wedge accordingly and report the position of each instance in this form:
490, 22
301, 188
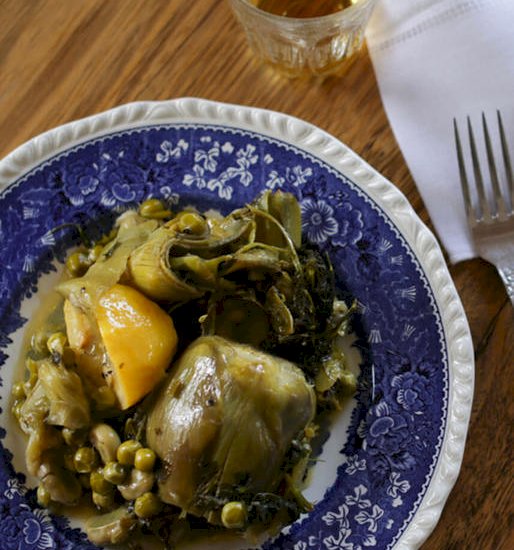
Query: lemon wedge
139, 338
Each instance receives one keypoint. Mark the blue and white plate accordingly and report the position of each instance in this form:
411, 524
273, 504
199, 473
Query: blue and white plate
395, 452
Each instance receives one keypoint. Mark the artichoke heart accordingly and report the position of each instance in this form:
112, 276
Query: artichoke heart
150, 270
227, 413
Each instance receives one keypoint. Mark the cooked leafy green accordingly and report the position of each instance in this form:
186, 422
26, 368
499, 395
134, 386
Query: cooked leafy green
222, 437
69, 406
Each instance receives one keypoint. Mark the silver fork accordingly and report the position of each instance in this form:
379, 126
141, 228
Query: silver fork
491, 219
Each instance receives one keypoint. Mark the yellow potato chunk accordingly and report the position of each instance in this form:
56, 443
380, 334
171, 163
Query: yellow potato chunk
140, 340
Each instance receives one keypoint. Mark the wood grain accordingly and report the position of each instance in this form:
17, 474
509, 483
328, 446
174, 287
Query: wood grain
65, 59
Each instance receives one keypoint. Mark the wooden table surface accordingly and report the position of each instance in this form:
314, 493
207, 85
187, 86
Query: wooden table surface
65, 59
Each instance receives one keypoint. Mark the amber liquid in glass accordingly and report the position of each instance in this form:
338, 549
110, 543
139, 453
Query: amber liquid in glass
315, 44
303, 8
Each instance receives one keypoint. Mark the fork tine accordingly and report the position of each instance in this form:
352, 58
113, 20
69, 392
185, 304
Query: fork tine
482, 201
506, 160
463, 175
498, 201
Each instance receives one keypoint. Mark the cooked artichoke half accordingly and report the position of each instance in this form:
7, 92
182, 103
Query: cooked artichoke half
202, 241
227, 413
193, 254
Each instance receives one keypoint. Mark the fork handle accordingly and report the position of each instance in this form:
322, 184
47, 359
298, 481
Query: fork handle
506, 271
498, 249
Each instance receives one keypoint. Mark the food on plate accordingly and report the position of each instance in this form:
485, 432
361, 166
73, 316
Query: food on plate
139, 338
178, 383
239, 408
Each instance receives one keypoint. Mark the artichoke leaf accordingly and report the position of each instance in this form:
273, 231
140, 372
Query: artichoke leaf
69, 406
176, 267
151, 273
198, 271
285, 209
255, 257
85, 341
227, 412
84, 291
34, 409
62, 485
41, 439
111, 528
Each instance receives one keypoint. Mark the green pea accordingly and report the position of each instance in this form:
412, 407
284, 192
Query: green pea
115, 473
127, 451
85, 460
233, 515
43, 496
147, 505
154, 209
99, 484
18, 390
191, 223
77, 264
144, 460
102, 501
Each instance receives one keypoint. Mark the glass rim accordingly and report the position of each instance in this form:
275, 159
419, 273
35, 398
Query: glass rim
302, 20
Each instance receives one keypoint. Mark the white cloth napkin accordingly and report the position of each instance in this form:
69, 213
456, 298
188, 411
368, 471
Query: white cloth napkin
435, 60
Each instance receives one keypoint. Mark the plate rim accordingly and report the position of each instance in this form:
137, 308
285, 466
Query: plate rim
384, 193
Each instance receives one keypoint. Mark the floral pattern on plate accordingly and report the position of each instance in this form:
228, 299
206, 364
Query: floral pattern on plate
395, 435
